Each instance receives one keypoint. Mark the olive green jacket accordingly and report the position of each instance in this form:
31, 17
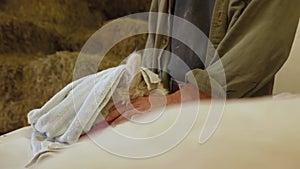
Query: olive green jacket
252, 37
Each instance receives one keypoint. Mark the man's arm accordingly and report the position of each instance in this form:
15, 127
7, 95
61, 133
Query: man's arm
257, 43
120, 113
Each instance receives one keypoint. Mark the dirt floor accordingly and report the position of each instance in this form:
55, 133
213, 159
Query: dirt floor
40, 41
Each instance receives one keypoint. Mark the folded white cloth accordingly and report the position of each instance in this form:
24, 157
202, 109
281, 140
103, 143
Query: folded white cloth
79, 106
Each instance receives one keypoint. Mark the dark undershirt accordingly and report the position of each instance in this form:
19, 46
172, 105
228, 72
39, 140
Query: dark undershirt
199, 13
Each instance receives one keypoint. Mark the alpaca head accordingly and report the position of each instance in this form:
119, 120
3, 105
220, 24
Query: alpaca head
133, 64
133, 69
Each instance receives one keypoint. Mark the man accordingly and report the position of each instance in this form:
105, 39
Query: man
252, 38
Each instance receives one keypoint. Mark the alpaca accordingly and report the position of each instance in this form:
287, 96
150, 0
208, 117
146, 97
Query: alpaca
61, 122
132, 85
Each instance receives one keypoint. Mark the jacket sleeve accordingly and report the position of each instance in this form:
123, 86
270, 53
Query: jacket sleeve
157, 60
257, 43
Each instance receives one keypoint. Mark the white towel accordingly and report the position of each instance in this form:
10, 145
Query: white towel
77, 107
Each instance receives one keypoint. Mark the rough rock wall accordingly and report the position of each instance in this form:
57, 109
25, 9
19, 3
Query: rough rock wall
39, 45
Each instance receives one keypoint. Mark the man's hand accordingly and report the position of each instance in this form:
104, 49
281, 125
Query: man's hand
122, 112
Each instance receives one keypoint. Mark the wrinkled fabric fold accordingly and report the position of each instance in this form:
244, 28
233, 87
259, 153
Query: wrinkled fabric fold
78, 107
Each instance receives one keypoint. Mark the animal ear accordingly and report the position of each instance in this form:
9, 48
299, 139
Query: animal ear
133, 63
